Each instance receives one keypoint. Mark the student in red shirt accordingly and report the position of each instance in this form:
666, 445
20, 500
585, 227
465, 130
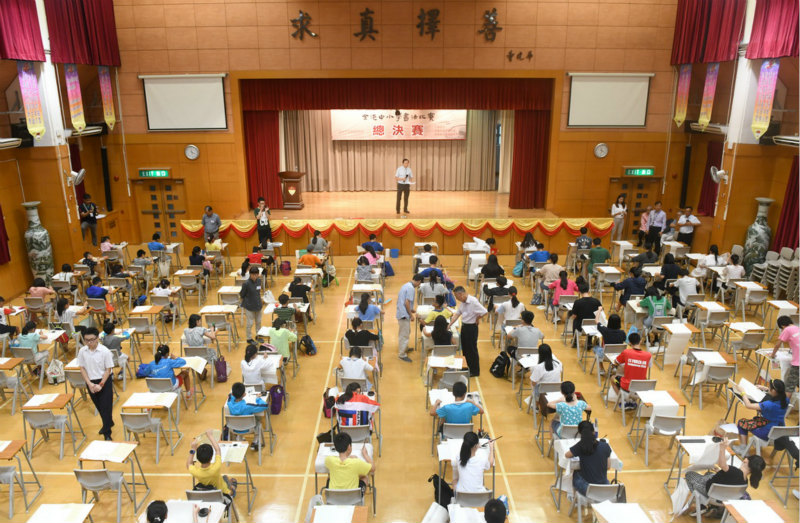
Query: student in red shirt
255, 257
636, 363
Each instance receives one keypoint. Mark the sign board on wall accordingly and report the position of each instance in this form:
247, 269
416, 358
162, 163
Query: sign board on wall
153, 173
399, 124
640, 171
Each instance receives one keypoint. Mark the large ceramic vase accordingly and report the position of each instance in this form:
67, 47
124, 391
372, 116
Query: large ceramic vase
758, 236
37, 240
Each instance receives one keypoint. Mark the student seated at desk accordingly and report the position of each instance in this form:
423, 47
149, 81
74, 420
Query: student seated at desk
208, 475
669, 233
499, 290
548, 369
367, 311
371, 255
685, 285
593, 455
66, 317
162, 289
569, 409
105, 244
5, 328
114, 343
346, 472
540, 255
439, 309
157, 513
280, 337
374, 243
425, 255
611, 334
510, 310
318, 243
163, 367
752, 467
548, 274
630, 286
29, 338
669, 271
712, 259
359, 337
212, 243
771, 413
655, 304
597, 254
468, 469
562, 286
528, 242
492, 269
118, 272
237, 406
461, 411
298, 289
256, 258
434, 286
66, 275
440, 334
487, 245
494, 511
283, 311
355, 367
733, 271
583, 242
155, 244
363, 269
244, 272
39, 289
636, 363
141, 259
96, 290
198, 258
254, 369
90, 261
583, 309
311, 259
526, 335
195, 335
648, 256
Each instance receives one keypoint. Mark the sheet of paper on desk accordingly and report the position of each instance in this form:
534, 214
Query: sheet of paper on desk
148, 399
233, 452
528, 361
41, 399
113, 451
744, 326
755, 511
141, 309
73, 364
753, 392
459, 514
703, 457
679, 328
4, 360
3, 445
711, 305
196, 363
553, 396
621, 512
443, 395
62, 512
449, 362
334, 513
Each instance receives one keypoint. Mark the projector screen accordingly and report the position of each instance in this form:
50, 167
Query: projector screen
186, 102
600, 100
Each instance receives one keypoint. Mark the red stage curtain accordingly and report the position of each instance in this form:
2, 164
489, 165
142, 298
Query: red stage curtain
708, 192
401, 93
5, 254
707, 31
529, 168
82, 32
774, 32
787, 235
20, 37
261, 130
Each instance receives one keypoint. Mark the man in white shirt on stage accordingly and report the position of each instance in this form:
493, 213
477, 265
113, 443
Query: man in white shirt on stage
687, 223
403, 175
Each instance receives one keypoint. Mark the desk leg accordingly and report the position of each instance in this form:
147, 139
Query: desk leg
143, 483
174, 419
557, 487
35, 481
249, 484
678, 460
70, 414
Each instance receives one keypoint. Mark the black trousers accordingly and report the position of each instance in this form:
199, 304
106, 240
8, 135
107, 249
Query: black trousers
654, 237
264, 233
686, 237
403, 189
469, 346
104, 402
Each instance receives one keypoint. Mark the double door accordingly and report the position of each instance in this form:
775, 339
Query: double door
161, 205
639, 193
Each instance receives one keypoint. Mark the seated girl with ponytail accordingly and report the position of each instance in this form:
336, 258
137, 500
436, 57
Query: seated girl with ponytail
157, 512
593, 455
355, 408
468, 469
510, 310
163, 365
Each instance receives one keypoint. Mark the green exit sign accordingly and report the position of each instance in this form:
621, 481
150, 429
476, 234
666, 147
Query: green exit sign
153, 173
640, 171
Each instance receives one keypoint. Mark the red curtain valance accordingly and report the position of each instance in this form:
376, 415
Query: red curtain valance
400, 93
774, 32
20, 36
707, 31
82, 32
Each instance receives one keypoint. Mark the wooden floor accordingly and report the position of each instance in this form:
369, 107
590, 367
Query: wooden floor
286, 479
422, 204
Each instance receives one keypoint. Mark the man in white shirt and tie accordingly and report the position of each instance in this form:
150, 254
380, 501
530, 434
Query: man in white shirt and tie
470, 311
403, 175
686, 225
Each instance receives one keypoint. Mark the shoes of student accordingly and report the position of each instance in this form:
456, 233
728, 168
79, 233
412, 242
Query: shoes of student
254, 446
405, 358
630, 405
251, 341
796, 493
107, 436
739, 448
407, 211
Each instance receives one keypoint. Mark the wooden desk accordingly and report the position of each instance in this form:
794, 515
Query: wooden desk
774, 505
359, 515
145, 310
60, 401
118, 452
147, 401
12, 451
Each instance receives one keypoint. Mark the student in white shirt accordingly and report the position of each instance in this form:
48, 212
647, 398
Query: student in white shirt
686, 285
355, 367
687, 223
66, 317
547, 370
425, 255
403, 176
510, 310
468, 469
619, 209
733, 271
256, 370
712, 259
67, 275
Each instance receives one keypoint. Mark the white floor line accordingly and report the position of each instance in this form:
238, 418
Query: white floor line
312, 453
179, 475
512, 506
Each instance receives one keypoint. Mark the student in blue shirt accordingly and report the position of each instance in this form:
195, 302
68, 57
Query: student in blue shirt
367, 311
434, 261
539, 255
633, 285
459, 412
374, 243
163, 365
237, 406
156, 244
96, 290
583, 242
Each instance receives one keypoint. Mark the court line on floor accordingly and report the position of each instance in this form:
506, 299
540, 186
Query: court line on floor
177, 475
311, 452
512, 506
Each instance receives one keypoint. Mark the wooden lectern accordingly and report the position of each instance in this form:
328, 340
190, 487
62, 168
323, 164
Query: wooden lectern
292, 192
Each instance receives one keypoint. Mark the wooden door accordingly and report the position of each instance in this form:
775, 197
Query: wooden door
162, 205
639, 193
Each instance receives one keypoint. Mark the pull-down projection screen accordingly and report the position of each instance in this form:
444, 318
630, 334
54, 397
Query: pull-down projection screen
608, 100
185, 102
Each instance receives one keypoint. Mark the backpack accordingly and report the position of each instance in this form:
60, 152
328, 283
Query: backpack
276, 394
442, 492
659, 306
221, 369
327, 403
519, 268
141, 300
308, 344
55, 372
500, 365
286, 268
537, 299
326, 279
143, 370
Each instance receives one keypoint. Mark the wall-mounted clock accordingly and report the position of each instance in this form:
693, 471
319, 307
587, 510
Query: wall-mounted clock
601, 150
192, 152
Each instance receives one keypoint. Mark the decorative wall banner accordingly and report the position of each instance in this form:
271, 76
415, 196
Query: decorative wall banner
709, 89
765, 93
74, 95
399, 124
104, 77
29, 87
682, 99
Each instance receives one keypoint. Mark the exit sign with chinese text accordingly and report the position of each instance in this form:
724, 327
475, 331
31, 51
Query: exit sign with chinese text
153, 173
640, 171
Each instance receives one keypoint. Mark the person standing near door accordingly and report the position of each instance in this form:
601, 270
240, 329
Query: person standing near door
619, 210
657, 223
262, 221
211, 223
686, 226
470, 311
403, 175
88, 213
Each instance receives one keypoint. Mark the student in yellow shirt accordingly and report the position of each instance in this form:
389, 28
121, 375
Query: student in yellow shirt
345, 471
439, 309
207, 473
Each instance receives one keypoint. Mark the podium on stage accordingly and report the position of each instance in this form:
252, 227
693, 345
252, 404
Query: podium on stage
292, 192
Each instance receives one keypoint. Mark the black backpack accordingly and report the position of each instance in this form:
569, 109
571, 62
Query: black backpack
500, 365
442, 492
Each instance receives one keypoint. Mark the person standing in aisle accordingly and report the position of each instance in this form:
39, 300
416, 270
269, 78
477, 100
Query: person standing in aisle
403, 176
97, 365
211, 223
619, 209
405, 313
657, 224
251, 303
88, 213
470, 311
262, 221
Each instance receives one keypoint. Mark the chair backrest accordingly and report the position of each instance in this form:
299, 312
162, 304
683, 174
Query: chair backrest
38, 418
188, 282
752, 340
258, 387
472, 499
589, 323
568, 431
512, 323
207, 496
566, 299
450, 377
219, 321
549, 386
720, 373
201, 352
758, 296
298, 300
96, 304
787, 253
659, 321
34, 304
738, 250
136, 421
194, 268
241, 423
93, 480
526, 351
362, 382
777, 432
136, 270
668, 425
614, 347
159, 384
444, 350
456, 430
427, 300
720, 492
239, 280
118, 282
717, 317
75, 378
141, 324
162, 301
26, 353
61, 286
599, 493
343, 497
694, 298
229, 298
641, 385
358, 433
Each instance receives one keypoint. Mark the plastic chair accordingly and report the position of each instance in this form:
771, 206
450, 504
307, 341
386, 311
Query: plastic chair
8, 475
749, 342
594, 494
774, 433
166, 303
456, 430
661, 426
193, 284
98, 480
11, 382
165, 385
718, 376
38, 306
718, 494
221, 324
142, 423
37, 359
142, 328
343, 497
48, 423
754, 299
240, 425
201, 352
713, 321
472, 499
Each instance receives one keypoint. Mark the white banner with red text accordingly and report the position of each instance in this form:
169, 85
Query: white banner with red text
399, 124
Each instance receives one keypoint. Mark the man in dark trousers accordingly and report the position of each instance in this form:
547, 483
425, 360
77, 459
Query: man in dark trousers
470, 311
88, 213
403, 175
97, 365
251, 302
